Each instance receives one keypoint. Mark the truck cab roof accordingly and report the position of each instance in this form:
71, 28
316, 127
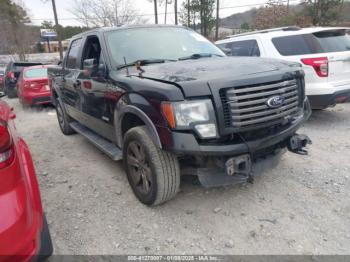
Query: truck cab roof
113, 28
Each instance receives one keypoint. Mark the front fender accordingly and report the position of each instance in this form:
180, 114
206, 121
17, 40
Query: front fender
137, 105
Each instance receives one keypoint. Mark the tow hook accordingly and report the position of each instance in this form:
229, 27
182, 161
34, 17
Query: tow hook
240, 166
297, 143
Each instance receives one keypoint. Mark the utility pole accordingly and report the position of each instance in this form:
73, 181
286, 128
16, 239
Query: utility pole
166, 10
57, 29
201, 16
217, 20
155, 12
188, 14
175, 9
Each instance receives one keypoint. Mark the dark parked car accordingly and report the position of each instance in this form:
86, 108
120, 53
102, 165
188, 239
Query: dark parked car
167, 101
12, 72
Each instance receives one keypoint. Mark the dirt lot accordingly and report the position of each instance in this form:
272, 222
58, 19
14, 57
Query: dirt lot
300, 207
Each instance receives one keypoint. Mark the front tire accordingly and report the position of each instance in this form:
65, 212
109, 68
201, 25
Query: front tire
153, 174
64, 120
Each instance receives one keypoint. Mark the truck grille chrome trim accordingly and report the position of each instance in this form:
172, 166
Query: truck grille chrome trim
246, 106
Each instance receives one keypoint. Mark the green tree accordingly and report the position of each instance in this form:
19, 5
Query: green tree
47, 24
189, 13
245, 26
206, 16
69, 31
323, 12
16, 36
201, 13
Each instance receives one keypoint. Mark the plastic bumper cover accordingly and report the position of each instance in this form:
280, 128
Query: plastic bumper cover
323, 101
186, 144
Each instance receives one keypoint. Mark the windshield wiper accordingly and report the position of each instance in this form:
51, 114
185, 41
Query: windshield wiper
146, 62
199, 55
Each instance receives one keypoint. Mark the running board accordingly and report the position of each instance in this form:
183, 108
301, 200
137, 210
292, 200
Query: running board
104, 145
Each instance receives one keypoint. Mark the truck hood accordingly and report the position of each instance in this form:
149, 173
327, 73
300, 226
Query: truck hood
195, 77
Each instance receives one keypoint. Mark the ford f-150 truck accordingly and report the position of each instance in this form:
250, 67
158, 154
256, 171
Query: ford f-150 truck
168, 102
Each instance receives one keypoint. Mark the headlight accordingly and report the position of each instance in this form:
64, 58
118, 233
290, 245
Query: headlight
196, 114
206, 130
191, 112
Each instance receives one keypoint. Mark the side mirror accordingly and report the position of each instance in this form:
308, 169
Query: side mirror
227, 51
90, 64
92, 69
2, 94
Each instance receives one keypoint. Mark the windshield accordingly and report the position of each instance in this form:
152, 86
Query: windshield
157, 43
36, 73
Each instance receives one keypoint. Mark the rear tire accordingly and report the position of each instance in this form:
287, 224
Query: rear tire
11, 93
153, 174
24, 104
64, 119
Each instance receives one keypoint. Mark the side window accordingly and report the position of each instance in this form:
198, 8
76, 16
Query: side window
223, 48
244, 48
92, 49
297, 45
73, 54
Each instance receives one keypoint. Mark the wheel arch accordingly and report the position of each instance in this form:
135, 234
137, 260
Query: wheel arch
54, 97
131, 116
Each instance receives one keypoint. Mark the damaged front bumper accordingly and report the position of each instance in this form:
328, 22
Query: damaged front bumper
187, 144
243, 168
228, 163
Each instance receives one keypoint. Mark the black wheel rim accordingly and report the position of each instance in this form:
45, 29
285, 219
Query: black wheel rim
139, 168
60, 116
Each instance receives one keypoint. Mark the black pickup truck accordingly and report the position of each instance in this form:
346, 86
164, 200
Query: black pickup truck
168, 102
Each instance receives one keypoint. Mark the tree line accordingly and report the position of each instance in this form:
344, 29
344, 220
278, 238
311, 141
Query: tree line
307, 13
18, 36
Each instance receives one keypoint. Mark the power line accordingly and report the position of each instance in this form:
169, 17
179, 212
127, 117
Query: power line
250, 5
170, 13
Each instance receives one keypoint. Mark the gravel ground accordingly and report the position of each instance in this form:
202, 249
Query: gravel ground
300, 207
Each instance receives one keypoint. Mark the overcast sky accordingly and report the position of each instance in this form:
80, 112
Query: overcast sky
40, 10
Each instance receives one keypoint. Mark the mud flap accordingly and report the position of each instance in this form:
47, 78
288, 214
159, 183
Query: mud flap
211, 177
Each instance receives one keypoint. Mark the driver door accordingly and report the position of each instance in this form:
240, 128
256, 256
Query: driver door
93, 86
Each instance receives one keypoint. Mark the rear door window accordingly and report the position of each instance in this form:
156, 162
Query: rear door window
334, 40
73, 54
18, 67
244, 48
320, 42
297, 45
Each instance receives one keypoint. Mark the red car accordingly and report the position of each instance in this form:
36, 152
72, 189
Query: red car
33, 86
24, 233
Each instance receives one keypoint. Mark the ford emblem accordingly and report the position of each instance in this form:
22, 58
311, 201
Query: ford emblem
275, 101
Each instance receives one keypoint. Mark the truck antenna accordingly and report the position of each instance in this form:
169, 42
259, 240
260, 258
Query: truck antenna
127, 69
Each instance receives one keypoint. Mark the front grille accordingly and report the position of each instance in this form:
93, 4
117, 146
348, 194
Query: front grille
246, 106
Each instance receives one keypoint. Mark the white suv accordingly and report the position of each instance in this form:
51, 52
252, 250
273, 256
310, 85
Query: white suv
324, 53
